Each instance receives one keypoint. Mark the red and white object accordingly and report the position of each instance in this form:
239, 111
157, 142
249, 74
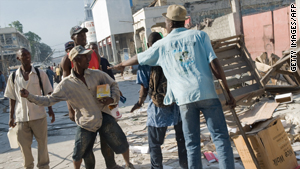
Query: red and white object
116, 113
210, 156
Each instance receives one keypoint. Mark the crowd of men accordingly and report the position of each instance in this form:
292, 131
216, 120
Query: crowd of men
176, 71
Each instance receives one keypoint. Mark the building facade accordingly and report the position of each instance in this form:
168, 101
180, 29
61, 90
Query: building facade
265, 24
113, 26
11, 41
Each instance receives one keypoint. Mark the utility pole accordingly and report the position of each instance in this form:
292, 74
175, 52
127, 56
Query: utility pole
2, 58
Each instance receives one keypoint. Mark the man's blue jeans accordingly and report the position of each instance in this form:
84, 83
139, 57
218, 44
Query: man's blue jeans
215, 120
156, 137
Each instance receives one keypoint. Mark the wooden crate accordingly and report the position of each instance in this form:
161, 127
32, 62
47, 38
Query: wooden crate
242, 76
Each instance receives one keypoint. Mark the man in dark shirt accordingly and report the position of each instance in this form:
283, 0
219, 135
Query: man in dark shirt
104, 62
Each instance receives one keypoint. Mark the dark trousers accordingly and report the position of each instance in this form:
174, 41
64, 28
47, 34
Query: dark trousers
113, 140
156, 136
107, 152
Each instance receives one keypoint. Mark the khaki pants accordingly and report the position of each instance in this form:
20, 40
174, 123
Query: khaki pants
25, 133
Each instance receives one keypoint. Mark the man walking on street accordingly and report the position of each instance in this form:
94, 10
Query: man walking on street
91, 115
159, 116
51, 75
78, 35
188, 61
29, 119
58, 75
2, 82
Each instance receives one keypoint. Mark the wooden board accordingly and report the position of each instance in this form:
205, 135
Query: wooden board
241, 91
218, 50
236, 63
234, 66
228, 53
236, 82
237, 59
237, 71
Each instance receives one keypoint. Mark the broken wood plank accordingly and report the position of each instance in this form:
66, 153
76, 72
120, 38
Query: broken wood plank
237, 71
289, 80
278, 89
225, 48
248, 59
234, 66
234, 82
226, 39
242, 91
286, 72
237, 59
228, 54
222, 44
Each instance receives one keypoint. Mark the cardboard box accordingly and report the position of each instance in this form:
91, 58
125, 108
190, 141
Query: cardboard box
103, 91
270, 144
284, 98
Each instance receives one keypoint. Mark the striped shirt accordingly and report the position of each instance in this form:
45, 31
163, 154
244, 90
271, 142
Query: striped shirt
82, 98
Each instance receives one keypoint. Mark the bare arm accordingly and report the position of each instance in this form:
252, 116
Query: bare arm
219, 74
66, 66
130, 62
142, 98
12, 104
50, 112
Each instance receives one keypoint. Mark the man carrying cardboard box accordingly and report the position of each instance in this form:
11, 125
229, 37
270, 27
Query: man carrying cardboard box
91, 115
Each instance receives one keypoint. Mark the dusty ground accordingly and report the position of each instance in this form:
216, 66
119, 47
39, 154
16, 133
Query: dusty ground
61, 136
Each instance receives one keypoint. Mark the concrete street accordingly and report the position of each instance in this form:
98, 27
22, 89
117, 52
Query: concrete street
61, 136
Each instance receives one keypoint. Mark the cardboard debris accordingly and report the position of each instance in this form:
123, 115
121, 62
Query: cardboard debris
209, 147
139, 149
262, 67
284, 98
270, 145
263, 58
260, 112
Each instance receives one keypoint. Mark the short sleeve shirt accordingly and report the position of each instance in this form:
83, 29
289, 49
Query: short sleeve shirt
157, 116
185, 57
25, 110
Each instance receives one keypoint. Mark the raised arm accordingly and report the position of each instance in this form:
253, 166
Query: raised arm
46, 101
66, 65
121, 66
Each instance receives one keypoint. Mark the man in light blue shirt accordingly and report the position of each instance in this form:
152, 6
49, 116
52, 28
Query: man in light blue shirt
188, 61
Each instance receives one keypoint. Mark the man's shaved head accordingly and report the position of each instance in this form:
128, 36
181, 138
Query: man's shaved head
153, 37
19, 53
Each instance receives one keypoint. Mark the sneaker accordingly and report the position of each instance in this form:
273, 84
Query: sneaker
130, 166
116, 167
